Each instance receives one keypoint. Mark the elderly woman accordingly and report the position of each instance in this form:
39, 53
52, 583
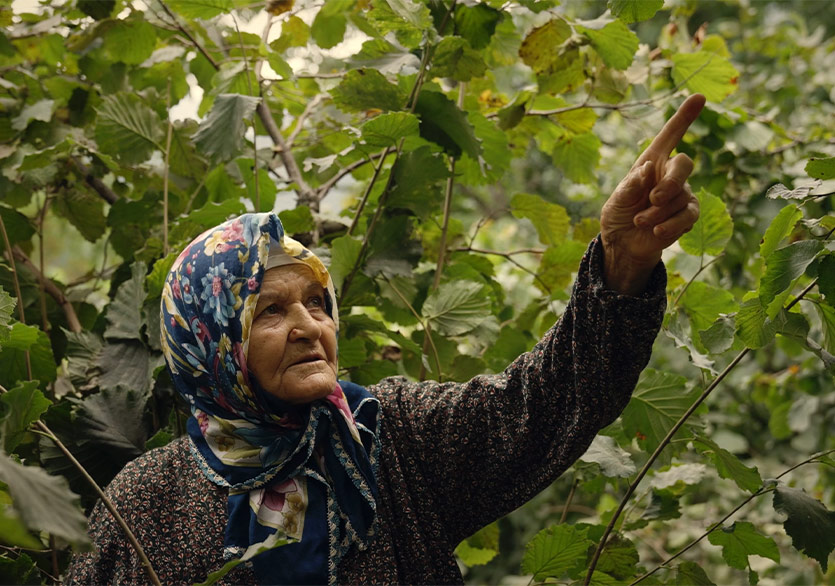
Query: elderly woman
327, 481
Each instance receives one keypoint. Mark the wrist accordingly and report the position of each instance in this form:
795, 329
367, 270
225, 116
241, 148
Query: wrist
624, 273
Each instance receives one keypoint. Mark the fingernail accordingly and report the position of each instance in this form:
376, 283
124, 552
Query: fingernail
641, 222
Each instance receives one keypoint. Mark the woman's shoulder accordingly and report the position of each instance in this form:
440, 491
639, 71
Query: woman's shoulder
156, 470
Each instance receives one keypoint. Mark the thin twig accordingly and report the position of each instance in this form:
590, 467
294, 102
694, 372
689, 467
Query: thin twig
165, 175
41, 217
678, 424
568, 500
20, 312
364, 199
423, 324
51, 289
308, 110
188, 35
507, 254
693, 278
97, 184
762, 490
323, 189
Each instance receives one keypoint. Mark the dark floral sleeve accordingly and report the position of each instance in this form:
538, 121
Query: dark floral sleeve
474, 451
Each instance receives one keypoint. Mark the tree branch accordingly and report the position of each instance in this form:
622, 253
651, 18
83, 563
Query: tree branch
51, 289
97, 184
308, 109
323, 189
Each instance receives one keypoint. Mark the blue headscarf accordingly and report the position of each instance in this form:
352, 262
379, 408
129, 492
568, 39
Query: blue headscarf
300, 473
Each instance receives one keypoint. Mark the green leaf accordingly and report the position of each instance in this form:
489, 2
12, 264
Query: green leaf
479, 548
730, 467
44, 502
614, 462
823, 168
630, 11
827, 314
155, 281
691, 573
271, 542
7, 305
345, 252
13, 532
128, 364
114, 421
619, 558
124, 314
442, 122
577, 156
477, 23
809, 523
40, 110
415, 13
781, 226
329, 24
615, 43
752, 324
18, 227
367, 89
826, 279
538, 48
98, 9
297, 220
13, 356
85, 211
221, 134
741, 540
416, 182
703, 304
784, 265
712, 230
24, 405
659, 400
454, 58
558, 264
456, 308
388, 129
705, 73
204, 9
550, 220
128, 128
555, 551
130, 41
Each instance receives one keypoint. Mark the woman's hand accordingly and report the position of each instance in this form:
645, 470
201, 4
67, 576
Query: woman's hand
651, 207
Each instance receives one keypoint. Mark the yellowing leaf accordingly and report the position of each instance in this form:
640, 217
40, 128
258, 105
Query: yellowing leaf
706, 73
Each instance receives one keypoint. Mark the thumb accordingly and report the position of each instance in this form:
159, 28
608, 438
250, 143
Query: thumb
636, 185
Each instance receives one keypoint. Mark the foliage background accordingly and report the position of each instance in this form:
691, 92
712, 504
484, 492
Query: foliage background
450, 160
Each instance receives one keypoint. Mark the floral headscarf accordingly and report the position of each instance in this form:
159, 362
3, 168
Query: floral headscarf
302, 473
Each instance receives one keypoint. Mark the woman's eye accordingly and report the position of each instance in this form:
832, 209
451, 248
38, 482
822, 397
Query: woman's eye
272, 309
316, 301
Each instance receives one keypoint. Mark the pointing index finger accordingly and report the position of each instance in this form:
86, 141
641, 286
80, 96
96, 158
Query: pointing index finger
675, 128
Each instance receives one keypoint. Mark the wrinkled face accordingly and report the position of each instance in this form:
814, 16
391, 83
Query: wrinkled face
292, 341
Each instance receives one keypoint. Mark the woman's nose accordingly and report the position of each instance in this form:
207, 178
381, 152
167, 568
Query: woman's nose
302, 325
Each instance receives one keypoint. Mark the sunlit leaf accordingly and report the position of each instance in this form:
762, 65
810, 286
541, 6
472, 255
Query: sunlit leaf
577, 156
809, 523
706, 73
630, 11
614, 42
550, 220
712, 230
130, 41
329, 24
821, 168
781, 226
204, 9
703, 303
479, 548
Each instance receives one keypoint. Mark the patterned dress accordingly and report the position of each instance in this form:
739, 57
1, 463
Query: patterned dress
454, 456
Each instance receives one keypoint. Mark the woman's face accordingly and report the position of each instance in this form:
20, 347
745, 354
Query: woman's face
292, 341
